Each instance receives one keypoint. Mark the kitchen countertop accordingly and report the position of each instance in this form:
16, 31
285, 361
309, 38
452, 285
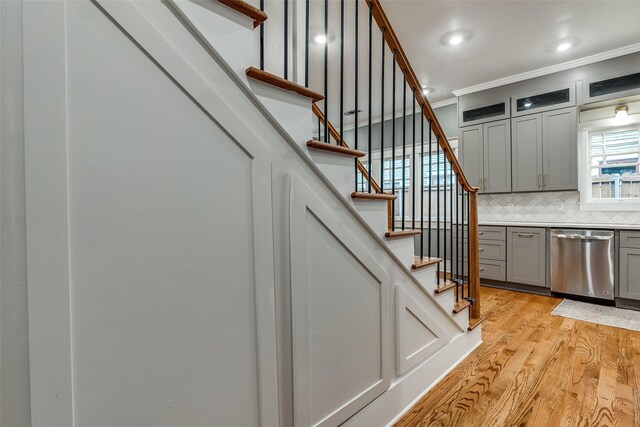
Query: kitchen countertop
562, 225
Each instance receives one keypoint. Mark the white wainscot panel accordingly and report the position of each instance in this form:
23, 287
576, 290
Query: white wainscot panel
419, 335
341, 316
166, 289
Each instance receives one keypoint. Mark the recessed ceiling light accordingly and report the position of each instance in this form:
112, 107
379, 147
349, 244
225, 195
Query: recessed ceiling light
456, 37
456, 40
427, 90
563, 46
320, 38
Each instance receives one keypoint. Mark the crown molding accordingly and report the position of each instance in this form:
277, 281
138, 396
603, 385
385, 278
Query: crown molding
550, 70
444, 103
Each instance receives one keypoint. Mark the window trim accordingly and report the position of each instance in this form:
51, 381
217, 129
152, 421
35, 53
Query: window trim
588, 203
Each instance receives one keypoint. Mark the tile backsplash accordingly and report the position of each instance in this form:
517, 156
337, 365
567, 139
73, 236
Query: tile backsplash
560, 206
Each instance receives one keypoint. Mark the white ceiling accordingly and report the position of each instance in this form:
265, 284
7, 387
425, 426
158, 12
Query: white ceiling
509, 37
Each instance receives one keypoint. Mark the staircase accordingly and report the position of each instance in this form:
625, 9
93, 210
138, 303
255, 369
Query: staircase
356, 288
462, 284
441, 273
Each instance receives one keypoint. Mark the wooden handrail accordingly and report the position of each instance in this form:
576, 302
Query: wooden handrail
392, 41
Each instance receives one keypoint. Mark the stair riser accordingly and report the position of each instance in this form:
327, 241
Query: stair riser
374, 212
403, 248
291, 110
338, 169
427, 278
229, 33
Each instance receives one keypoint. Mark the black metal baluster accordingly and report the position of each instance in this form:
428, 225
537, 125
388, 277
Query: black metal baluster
454, 191
262, 38
404, 139
306, 43
469, 248
444, 214
463, 236
413, 160
393, 142
382, 114
451, 225
438, 209
326, 71
430, 177
319, 129
286, 39
342, 73
422, 184
355, 86
370, 163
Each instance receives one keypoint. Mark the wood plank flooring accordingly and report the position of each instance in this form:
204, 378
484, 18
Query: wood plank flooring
535, 369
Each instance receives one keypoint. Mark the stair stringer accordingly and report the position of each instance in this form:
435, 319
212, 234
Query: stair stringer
225, 97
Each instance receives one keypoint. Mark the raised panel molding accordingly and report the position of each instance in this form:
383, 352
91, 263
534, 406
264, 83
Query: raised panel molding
341, 298
419, 335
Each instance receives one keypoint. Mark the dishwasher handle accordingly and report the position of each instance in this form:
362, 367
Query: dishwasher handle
579, 237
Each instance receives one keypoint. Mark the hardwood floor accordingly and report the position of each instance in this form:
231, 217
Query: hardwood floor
535, 369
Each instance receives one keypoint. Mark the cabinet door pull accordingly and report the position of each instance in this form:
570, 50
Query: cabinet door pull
481, 249
481, 232
481, 268
539, 180
544, 180
525, 234
486, 183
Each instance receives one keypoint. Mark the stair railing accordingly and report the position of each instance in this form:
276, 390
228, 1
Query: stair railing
433, 193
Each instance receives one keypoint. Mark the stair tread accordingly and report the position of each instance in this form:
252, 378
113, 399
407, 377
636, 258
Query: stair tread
402, 233
338, 149
461, 305
247, 9
373, 196
474, 323
272, 79
425, 262
445, 286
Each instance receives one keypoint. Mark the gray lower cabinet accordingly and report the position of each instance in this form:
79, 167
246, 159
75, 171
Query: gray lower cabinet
629, 265
492, 269
544, 151
630, 273
526, 256
485, 151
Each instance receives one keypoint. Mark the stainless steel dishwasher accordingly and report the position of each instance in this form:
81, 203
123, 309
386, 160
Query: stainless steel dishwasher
582, 262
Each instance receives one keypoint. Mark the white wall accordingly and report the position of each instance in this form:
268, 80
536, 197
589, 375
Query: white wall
14, 343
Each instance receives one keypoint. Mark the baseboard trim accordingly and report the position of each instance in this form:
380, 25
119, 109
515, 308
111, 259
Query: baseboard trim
405, 392
433, 385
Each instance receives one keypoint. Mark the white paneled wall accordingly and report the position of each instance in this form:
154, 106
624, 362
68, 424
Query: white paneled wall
188, 263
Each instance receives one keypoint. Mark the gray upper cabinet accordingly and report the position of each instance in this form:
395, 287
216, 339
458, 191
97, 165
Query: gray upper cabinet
560, 150
497, 157
526, 260
487, 112
544, 151
551, 99
472, 153
485, 151
526, 152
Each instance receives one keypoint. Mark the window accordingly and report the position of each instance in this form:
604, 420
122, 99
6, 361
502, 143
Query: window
609, 167
613, 155
438, 164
